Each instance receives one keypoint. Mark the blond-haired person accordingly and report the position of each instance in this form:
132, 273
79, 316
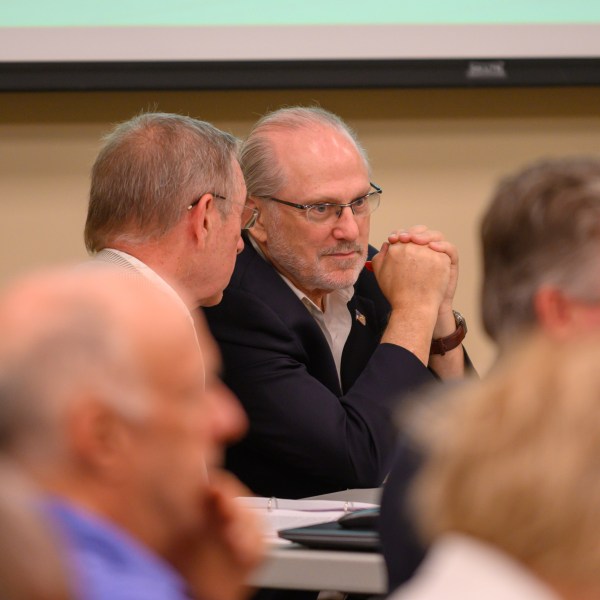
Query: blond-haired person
509, 492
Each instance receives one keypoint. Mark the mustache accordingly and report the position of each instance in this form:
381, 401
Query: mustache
343, 248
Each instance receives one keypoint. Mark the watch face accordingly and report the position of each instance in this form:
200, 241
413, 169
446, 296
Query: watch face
460, 320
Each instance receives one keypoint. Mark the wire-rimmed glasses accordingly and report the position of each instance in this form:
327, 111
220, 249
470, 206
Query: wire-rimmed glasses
327, 212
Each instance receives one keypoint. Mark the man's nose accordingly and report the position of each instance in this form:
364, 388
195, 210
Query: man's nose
346, 226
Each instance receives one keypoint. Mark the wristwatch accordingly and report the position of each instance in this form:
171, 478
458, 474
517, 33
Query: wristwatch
445, 344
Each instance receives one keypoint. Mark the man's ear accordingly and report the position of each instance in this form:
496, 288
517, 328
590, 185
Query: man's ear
202, 218
258, 231
99, 437
553, 311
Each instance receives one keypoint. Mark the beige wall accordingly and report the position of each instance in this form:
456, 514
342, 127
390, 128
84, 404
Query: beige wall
436, 153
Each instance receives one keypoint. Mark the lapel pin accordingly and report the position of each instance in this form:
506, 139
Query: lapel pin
360, 317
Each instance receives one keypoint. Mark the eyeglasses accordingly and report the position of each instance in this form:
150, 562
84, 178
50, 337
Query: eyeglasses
249, 214
327, 212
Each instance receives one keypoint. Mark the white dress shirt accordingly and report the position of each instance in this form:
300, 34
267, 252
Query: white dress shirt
135, 265
334, 320
122, 259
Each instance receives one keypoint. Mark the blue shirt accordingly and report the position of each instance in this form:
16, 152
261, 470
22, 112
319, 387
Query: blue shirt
108, 563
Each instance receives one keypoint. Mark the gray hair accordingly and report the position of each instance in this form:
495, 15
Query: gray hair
80, 350
263, 174
541, 228
149, 170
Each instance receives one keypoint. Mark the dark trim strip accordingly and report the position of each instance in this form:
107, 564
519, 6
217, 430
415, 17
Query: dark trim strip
326, 74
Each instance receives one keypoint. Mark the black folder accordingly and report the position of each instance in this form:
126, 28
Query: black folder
332, 536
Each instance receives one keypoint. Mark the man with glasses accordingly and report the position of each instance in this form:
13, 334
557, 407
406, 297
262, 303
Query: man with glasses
168, 201
316, 346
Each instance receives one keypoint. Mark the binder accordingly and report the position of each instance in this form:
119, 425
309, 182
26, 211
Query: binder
286, 515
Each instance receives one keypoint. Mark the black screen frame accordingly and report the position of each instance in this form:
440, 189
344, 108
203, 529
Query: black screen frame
297, 74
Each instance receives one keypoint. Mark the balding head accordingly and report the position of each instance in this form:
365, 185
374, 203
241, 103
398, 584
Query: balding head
72, 334
264, 171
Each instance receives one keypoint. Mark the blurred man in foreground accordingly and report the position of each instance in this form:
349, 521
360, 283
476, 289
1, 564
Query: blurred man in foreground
105, 406
509, 492
541, 243
541, 271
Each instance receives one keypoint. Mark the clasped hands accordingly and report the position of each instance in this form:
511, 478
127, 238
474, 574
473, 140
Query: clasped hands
419, 267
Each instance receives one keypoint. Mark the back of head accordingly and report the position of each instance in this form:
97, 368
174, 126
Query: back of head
263, 172
513, 460
149, 170
71, 335
541, 228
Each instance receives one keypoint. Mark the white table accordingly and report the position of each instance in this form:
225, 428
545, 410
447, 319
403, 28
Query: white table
297, 568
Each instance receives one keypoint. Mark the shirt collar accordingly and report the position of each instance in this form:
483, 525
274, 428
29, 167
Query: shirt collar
124, 259
144, 270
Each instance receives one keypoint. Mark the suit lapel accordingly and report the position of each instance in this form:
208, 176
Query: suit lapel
269, 286
362, 341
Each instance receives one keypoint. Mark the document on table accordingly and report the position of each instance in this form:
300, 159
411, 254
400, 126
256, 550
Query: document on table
278, 513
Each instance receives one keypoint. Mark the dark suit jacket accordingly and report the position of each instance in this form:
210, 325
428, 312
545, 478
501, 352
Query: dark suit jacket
307, 434
402, 549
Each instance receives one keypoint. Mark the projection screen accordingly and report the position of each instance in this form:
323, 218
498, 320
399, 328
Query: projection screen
187, 44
